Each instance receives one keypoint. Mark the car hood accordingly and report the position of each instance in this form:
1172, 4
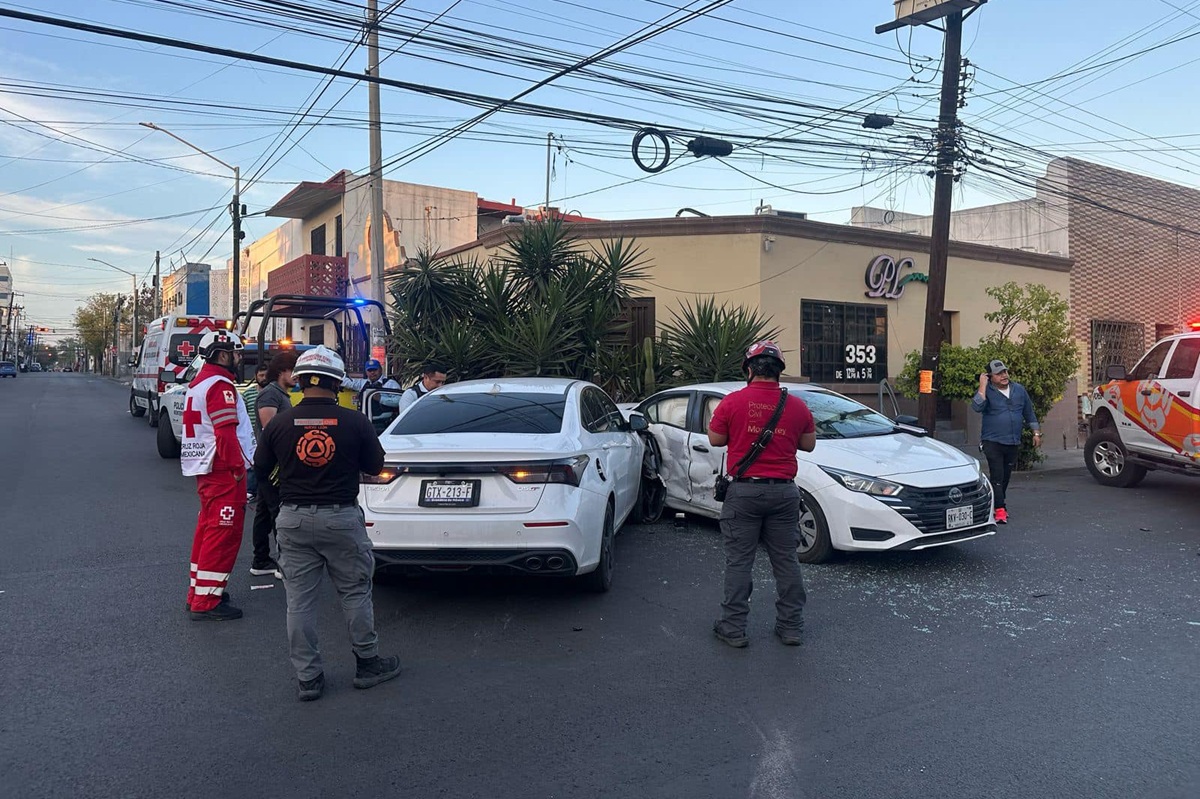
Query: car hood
914, 460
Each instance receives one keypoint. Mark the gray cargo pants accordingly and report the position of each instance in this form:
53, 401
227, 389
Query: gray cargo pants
314, 539
770, 513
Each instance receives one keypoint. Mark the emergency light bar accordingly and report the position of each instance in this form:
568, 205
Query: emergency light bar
195, 321
1194, 325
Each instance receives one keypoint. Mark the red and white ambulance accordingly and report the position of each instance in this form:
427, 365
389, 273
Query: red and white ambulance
171, 343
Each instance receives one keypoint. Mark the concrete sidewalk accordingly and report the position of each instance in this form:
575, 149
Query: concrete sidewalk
1057, 460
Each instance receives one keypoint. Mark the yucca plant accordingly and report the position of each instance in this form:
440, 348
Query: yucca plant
706, 342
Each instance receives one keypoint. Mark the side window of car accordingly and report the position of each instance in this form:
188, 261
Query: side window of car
706, 411
1183, 360
616, 422
669, 411
593, 413
1150, 367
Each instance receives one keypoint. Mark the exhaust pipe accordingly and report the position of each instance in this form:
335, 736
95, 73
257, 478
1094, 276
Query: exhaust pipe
533, 564
554, 562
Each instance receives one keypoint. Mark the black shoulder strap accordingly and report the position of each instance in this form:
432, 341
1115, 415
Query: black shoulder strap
763, 439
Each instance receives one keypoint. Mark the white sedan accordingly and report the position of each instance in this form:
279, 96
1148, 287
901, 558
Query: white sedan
527, 475
870, 484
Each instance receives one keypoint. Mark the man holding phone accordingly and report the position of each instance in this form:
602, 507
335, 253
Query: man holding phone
1006, 409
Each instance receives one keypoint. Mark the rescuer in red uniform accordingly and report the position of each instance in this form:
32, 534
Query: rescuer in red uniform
217, 449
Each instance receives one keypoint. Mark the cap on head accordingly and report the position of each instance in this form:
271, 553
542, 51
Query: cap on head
214, 341
320, 366
372, 364
996, 367
765, 347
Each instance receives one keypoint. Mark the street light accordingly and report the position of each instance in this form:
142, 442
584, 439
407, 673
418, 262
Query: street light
235, 211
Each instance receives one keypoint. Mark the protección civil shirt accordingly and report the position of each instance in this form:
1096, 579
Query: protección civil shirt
320, 449
742, 416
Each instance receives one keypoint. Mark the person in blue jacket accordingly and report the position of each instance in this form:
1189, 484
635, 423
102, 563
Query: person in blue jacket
1006, 409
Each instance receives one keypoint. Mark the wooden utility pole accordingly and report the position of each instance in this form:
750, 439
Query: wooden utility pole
376, 145
922, 12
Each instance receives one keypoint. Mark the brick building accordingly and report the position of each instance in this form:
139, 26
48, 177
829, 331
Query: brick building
1134, 242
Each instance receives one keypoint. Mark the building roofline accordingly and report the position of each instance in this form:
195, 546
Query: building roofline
781, 226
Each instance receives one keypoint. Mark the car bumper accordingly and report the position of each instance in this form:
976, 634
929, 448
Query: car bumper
860, 522
554, 538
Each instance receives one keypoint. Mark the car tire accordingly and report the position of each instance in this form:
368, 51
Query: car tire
652, 494
815, 545
135, 410
600, 579
152, 417
168, 445
1108, 460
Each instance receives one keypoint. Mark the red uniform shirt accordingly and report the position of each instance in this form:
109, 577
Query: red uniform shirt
742, 416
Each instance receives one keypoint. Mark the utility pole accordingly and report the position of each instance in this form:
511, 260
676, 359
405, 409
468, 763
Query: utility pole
943, 191
157, 285
8, 320
236, 210
377, 256
549, 139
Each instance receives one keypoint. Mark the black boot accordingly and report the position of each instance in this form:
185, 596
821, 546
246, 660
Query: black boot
224, 601
311, 690
372, 671
222, 612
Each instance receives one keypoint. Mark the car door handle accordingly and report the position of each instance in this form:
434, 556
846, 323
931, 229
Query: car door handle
699, 447
1184, 393
1145, 392
612, 445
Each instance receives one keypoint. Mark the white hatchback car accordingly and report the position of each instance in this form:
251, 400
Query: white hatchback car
870, 484
527, 475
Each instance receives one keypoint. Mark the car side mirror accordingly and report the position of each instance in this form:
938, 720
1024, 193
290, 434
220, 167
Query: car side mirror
638, 423
167, 376
1115, 372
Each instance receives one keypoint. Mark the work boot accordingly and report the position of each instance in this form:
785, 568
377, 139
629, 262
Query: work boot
310, 690
788, 637
224, 601
735, 641
374, 670
222, 612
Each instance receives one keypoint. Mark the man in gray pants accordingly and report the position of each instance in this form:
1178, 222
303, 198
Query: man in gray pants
763, 502
320, 448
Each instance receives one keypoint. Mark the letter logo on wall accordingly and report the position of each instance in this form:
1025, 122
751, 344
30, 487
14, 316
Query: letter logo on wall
886, 278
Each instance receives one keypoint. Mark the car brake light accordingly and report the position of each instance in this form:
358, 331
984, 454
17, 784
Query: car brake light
567, 471
390, 472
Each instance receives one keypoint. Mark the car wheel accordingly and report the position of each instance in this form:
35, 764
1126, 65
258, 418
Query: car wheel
1108, 460
600, 580
135, 410
168, 445
652, 494
152, 417
814, 546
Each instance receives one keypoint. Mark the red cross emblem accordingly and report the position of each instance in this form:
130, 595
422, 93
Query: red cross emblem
186, 349
191, 417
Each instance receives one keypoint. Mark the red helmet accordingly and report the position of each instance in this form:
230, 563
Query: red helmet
764, 347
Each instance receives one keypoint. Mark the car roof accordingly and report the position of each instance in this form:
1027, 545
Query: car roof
513, 385
729, 386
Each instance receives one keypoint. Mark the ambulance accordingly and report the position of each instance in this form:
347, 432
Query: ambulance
170, 344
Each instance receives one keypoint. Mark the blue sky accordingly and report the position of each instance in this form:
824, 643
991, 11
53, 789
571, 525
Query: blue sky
77, 172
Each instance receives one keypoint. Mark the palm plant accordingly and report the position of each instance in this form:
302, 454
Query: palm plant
705, 342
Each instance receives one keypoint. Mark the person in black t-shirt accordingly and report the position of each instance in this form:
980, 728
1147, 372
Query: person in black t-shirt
273, 399
320, 448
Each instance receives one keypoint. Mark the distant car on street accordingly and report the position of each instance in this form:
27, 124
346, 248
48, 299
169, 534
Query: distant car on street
525, 475
37, 367
871, 484
8, 369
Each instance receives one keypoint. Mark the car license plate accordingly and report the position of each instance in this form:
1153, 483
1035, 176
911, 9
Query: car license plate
449, 494
962, 516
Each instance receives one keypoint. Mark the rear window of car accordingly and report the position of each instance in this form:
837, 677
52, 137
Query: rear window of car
183, 348
483, 413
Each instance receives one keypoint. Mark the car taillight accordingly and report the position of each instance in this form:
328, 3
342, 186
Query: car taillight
390, 472
567, 471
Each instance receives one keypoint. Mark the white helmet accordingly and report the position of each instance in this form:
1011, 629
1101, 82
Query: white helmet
319, 362
215, 340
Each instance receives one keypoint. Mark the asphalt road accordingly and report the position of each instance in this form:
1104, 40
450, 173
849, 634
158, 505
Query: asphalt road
1058, 659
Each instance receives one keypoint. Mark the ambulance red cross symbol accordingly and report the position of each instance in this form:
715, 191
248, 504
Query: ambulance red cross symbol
185, 349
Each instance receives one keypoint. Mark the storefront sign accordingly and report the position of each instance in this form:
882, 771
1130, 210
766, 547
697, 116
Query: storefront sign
886, 277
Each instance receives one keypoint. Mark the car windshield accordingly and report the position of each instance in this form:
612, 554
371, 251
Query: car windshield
538, 413
840, 417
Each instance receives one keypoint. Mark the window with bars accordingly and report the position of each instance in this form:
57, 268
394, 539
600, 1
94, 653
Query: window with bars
1115, 344
843, 342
